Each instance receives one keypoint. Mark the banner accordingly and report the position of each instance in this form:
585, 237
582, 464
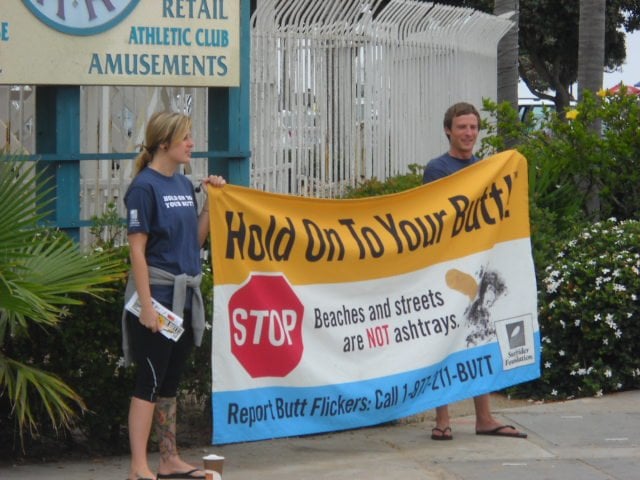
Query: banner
338, 314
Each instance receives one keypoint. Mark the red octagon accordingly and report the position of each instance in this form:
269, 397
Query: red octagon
265, 317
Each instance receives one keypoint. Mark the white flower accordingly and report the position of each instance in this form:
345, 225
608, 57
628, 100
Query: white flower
605, 341
577, 322
607, 373
547, 364
582, 371
619, 288
561, 353
599, 393
552, 287
554, 392
572, 303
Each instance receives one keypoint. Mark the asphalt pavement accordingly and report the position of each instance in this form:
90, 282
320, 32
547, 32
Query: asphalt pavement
586, 439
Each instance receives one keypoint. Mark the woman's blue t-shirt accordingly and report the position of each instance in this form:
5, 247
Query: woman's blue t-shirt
165, 209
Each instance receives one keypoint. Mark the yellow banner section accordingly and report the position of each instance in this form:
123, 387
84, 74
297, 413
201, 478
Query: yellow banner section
325, 241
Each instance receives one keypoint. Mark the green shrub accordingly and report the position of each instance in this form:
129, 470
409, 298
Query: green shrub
586, 161
398, 183
588, 312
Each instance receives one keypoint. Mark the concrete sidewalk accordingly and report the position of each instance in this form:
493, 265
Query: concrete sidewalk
594, 438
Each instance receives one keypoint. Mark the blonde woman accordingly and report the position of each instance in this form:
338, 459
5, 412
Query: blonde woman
165, 234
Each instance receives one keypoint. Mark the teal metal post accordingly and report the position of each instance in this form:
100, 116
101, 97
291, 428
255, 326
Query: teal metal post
229, 115
58, 132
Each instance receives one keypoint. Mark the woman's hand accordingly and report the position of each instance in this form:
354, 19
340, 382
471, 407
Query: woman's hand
214, 181
150, 318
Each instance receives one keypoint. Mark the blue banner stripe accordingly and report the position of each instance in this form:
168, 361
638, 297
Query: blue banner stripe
274, 412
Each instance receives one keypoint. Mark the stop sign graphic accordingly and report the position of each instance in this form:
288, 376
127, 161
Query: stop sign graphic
266, 326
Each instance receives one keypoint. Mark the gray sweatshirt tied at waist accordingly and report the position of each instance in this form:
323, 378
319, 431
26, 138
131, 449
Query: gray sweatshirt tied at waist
180, 284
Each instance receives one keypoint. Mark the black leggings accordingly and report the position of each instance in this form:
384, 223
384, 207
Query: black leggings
159, 360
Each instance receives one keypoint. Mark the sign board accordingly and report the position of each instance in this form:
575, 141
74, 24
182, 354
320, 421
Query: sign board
190, 43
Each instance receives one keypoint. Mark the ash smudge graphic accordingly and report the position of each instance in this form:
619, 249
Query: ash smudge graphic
478, 314
482, 297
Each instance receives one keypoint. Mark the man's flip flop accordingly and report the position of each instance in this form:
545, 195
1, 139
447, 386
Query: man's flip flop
500, 432
444, 434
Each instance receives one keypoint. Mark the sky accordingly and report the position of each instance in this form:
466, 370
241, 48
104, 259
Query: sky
628, 72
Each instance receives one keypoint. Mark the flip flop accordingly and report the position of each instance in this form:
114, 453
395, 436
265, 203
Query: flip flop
182, 475
443, 433
499, 432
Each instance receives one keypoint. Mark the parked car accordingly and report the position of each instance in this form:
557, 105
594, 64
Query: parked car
534, 107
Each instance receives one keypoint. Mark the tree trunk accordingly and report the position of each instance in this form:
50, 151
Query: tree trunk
590, 72
591, 45
508, 55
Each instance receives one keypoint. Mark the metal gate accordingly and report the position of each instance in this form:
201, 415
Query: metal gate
342, 91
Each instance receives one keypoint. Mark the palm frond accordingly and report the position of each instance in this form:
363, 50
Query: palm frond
41, 273
25, 385
23, 205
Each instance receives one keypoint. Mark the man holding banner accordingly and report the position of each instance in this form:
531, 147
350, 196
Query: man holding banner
332, 314
461, 126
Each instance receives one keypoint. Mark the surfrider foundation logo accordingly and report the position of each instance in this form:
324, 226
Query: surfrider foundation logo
81, 17
515, 337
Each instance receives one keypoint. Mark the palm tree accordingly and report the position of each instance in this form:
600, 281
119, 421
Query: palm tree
41, 271
591, 45
508, 54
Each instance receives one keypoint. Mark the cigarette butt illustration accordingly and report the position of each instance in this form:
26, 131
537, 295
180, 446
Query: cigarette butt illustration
462, 282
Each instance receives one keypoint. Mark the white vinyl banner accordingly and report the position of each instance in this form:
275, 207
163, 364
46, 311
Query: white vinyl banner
338, 314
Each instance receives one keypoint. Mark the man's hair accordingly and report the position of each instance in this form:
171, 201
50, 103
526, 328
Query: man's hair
457, 109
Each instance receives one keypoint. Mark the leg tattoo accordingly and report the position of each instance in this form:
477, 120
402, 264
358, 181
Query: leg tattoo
165, 423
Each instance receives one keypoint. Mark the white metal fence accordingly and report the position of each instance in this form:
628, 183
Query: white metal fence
342, 92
